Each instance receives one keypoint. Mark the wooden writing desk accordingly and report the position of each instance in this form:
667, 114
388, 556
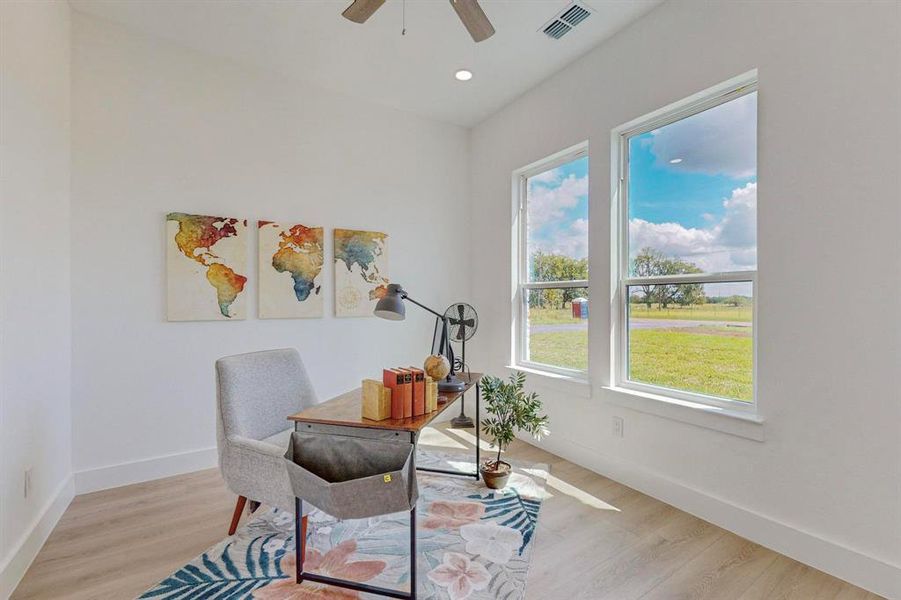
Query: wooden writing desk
342, 415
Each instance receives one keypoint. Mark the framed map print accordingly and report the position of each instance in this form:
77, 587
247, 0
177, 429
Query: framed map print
291, 258
361, 271
206, 267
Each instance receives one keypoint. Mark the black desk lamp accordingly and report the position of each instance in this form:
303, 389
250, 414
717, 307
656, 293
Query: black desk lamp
391, 307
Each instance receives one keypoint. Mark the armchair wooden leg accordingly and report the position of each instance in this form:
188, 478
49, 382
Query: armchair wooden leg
236, 517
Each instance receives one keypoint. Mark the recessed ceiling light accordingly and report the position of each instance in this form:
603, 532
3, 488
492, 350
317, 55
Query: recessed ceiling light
675, 161
463, 75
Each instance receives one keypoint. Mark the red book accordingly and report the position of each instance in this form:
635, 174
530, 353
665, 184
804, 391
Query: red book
394, 380
418, 391
408, 392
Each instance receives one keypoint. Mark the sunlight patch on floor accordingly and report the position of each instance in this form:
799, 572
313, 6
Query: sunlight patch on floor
573, 492
462, 466
470, 438
432, 437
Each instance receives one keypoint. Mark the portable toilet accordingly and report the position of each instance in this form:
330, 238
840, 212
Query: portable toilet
580, 308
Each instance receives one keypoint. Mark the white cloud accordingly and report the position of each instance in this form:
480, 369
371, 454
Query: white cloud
549, 230
719, 141
729, 245
739, 225
572, 241
549, 204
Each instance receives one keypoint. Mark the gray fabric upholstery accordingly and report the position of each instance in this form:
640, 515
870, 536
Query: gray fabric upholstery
256, 393
280, 439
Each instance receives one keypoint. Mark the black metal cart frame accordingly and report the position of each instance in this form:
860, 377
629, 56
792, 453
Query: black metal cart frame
301, 576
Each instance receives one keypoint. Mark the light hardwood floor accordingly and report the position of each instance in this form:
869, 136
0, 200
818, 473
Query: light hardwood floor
596, 540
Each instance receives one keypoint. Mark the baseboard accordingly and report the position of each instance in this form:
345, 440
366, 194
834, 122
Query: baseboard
840, 561
103, 478
24, 551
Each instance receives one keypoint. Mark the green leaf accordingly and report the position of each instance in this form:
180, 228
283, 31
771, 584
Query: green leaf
511, 409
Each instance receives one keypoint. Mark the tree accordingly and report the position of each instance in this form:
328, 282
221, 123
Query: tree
682, 294
737, 301
556, 267
690, 293
653, 263
648, 263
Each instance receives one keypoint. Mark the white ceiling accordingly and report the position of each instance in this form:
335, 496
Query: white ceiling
309, 40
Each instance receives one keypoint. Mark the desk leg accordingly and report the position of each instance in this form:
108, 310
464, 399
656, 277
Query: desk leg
413, 552
478, 428
414, 440
300, 539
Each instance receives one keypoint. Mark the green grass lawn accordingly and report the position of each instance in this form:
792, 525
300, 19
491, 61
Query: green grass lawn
710, 360
703, 312
552, 316
568, 349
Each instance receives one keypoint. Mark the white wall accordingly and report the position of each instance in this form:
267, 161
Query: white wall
825, 485
35, 325
158, 128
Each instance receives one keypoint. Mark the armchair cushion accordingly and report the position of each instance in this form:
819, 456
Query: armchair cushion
255, 469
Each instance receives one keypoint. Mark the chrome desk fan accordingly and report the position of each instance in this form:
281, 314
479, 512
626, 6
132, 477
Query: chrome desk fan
462, 322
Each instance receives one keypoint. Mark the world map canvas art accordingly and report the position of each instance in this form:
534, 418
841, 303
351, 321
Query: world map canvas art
206, 264
291, 258
361, 271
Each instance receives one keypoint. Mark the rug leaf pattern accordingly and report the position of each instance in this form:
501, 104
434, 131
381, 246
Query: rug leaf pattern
512, 510
215, 574
472, 544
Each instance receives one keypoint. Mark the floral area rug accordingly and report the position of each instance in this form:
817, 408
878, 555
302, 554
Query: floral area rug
472, 543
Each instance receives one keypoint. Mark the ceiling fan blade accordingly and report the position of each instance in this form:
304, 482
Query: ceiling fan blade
474, 19
361, 10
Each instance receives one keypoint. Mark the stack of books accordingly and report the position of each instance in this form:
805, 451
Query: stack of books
403, 393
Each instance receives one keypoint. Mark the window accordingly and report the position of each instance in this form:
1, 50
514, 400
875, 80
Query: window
687, 258
552, 264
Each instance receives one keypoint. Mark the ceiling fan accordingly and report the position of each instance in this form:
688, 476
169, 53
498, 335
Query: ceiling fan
469, 11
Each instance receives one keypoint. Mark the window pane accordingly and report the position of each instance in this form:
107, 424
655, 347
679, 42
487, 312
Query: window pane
693, 337
557, 327
692, 197
557, 219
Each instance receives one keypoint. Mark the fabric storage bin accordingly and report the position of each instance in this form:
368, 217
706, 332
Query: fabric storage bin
352, 478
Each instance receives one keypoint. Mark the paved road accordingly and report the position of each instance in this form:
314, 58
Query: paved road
638, 324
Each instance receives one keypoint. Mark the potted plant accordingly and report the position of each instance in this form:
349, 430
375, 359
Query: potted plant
511, 410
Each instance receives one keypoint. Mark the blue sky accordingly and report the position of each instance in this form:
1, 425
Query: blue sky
692, 193
661, 192
693, 188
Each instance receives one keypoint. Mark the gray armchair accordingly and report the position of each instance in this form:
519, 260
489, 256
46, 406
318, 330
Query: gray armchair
256, 392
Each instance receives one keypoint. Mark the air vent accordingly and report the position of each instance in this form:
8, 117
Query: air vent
557, 29
565, 20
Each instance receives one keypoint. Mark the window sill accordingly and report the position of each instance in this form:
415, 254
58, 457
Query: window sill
577, 386
733, 422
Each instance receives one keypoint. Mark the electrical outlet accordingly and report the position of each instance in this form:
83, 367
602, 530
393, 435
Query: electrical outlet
27, 486
617, 427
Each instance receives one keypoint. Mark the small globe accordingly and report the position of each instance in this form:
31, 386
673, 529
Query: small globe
436, 367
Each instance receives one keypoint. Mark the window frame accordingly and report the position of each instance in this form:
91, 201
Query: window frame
521, 262
715, 96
